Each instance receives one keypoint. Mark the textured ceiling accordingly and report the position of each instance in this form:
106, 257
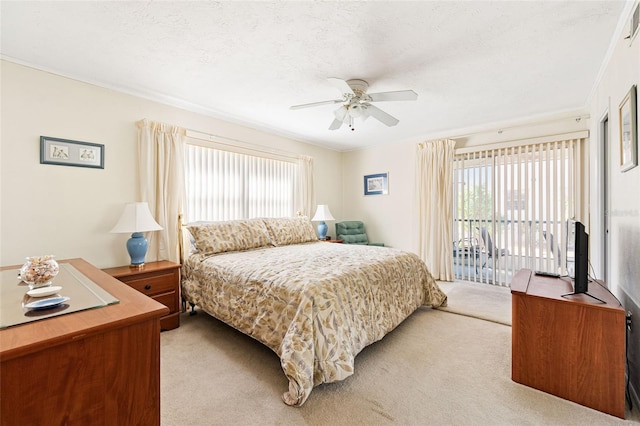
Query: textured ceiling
471, 62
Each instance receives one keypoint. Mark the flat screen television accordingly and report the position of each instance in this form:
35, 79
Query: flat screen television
578, 258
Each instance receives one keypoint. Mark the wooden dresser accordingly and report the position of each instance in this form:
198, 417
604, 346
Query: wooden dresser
572, 347
158, 280
93, 367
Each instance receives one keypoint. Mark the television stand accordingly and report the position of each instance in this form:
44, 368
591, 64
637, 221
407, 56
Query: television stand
574, 347
586, 294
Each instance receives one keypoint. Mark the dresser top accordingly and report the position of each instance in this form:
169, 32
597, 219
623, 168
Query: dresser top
133, 307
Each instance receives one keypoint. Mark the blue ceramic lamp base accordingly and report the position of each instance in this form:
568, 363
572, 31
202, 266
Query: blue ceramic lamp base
137, 247
322, 230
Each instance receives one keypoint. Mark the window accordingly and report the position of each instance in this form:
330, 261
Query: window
511, 206
222, 185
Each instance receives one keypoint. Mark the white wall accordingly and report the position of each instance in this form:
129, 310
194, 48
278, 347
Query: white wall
388, 218
68, 211
622, 72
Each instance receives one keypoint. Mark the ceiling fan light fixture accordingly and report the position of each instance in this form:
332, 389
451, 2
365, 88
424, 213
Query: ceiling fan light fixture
355, 110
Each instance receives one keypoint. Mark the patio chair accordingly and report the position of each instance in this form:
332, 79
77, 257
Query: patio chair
557, 254
491, 250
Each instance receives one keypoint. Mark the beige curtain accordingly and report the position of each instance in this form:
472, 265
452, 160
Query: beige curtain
305, 191
161, 182
435, 206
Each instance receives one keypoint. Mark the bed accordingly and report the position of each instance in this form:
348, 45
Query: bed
315, 304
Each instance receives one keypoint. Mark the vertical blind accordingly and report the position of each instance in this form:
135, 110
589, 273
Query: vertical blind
511, 207
223, 185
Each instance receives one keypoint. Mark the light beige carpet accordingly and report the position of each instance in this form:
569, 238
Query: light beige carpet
436, 368
483, 301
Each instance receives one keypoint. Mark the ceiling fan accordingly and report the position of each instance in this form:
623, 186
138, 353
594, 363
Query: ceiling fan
356, 102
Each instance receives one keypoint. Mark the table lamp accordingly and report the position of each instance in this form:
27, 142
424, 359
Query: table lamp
322, 214
136, 218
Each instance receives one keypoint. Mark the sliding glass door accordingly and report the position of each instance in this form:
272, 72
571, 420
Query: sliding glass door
511, 206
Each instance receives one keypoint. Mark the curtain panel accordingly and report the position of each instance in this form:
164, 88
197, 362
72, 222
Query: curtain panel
434, 187
161, 183
305, 191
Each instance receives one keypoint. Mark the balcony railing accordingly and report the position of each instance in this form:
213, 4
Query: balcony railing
492, 251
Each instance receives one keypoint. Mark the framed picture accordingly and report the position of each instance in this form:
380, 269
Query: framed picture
629, 131
65, 152
377, 184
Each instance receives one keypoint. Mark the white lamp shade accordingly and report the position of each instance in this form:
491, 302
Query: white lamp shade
136, 217
323, 213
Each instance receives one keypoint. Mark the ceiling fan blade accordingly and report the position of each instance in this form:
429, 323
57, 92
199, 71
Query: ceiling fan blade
335, 125
400, 95
335, 101
340, 113
341, 85
382, 116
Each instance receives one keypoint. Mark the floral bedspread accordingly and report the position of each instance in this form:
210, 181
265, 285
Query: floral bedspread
317, 305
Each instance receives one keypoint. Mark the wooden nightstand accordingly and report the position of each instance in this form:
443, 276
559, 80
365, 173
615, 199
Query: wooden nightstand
158, 280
